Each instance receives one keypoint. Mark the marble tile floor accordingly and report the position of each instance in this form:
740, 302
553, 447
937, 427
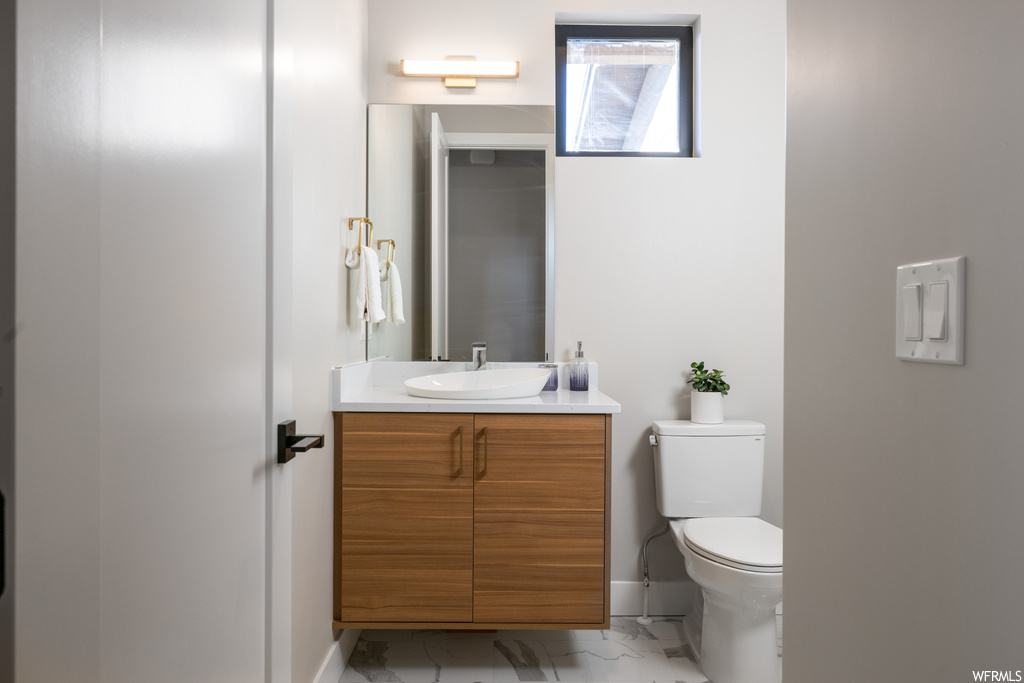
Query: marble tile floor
627, 652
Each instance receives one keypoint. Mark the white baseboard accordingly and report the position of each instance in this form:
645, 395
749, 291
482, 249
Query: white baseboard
667, 598
337, 657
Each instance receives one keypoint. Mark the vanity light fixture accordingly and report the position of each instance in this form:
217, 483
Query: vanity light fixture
459, 72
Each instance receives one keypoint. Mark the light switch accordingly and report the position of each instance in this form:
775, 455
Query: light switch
912, 312
936, 311
930, 311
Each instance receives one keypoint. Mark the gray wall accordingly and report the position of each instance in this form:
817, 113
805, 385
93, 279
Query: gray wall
903, 481
7, 71
496, 267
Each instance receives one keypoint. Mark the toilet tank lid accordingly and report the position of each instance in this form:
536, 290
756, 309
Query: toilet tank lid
727, 428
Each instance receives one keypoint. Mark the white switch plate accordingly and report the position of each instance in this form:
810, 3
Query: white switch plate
926, 350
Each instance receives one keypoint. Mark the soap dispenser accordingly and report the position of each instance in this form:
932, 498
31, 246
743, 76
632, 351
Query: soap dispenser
579, 378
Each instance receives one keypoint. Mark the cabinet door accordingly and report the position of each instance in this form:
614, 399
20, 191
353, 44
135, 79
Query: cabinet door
540, 530
405, 541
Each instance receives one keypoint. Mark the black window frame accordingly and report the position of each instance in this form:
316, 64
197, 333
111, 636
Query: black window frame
684, 34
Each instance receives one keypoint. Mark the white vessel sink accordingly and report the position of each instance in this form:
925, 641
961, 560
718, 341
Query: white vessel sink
481, 384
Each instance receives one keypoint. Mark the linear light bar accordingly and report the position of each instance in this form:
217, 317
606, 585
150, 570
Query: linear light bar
459, 72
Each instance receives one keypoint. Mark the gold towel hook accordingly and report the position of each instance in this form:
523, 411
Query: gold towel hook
369, 233
391, 249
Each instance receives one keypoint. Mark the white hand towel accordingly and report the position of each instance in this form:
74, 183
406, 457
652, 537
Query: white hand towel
396, 314
368, 287
360, 285
385, 289
352, 259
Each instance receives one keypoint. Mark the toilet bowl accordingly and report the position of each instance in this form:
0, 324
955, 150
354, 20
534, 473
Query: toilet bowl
709, 480
732, 627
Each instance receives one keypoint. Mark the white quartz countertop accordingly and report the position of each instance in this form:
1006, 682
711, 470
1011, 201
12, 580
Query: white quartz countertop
378, 386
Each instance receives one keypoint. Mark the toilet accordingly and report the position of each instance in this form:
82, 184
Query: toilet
708, 480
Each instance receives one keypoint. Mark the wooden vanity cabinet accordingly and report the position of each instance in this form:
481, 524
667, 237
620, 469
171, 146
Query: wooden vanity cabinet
519, 538
403, 518
539, 517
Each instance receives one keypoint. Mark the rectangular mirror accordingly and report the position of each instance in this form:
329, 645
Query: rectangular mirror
467, 194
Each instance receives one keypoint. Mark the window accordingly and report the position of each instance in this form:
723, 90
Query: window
624, 90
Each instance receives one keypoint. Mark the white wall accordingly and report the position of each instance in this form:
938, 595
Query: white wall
328, 155
903, 480
395, 200
659, 262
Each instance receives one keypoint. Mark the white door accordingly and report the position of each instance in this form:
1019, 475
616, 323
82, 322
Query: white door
142, 342
438, 240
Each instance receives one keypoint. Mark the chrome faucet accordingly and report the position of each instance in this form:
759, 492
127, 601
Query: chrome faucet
479, 355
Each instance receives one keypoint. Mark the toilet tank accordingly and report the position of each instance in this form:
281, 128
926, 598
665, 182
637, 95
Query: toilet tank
703, 470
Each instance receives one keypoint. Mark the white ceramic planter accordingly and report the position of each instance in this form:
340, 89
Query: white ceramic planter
706, 407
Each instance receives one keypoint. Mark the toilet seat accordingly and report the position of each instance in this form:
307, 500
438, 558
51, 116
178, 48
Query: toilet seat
746, 543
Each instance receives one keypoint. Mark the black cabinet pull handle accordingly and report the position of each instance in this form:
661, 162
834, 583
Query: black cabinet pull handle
289, 443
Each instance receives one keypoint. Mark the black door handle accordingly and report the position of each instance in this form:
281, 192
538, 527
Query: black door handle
289, 443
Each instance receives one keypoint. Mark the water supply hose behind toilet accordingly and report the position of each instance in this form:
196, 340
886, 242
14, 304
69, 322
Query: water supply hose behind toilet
644, 619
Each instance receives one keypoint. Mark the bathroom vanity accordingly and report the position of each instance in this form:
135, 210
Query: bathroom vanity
469, 514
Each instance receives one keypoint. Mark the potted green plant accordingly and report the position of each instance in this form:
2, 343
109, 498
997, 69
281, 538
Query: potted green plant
707, 389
